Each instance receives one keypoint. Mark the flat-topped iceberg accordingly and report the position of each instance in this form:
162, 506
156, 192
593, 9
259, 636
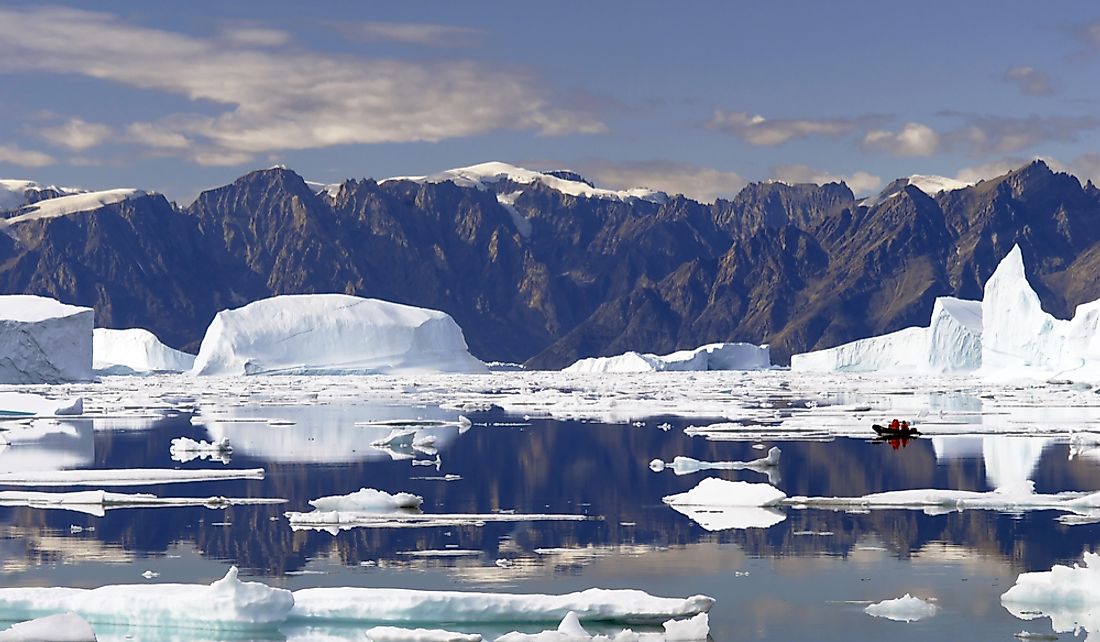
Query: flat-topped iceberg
332, 334
43, 340
133, 351
403, 606
227, 604
714, 356
951, 343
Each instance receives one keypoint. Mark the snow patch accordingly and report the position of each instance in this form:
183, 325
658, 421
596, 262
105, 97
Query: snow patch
332, 334
73, 203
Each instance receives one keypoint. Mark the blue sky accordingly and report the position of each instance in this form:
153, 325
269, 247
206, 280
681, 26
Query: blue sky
696, 98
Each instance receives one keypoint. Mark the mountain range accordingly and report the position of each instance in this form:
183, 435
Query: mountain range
543, 268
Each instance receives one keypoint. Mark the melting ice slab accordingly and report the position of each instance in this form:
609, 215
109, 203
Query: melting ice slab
714, 356
63, 627
687, 465
367, 500
227, 604
123, 476
97, 502
903, 609
332, 334
570, 629
404, 606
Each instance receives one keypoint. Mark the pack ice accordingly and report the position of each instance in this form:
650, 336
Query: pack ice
332, 334
133, 351
43, 340
713, 356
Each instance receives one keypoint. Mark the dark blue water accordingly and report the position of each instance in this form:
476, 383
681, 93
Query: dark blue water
795, 580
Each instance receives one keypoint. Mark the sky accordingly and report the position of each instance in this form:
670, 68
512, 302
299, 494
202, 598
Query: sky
697, 98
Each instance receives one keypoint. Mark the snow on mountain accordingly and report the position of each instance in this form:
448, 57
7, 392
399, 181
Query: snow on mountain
73, 203
44, 340
332, 334
932, 185
713, 356
15, 193
135, 350
482, 175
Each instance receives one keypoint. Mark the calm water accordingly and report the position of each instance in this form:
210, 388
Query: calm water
808, 576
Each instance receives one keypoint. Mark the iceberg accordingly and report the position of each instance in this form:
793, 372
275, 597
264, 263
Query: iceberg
381, 605
902, 609
226, 604
714, 356
123, 476
43, 340
717, 504
367, 500
570, 629
332, 334
63, 627
134, 351
951, 343
1067, 595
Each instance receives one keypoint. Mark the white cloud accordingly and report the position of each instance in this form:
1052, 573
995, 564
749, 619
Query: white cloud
77, 134
861, 183
24, 157
255, 36
913, 139
704, 184
761, 131
1030, 80
276, 100
157, 137
988, 134
414, 33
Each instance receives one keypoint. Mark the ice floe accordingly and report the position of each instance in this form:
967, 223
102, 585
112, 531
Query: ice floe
383, 605
570, 629
1065, 594
903, 609
24, 404
46, 445
367, 500
714, 356
135, 351
226, 604
123, 476
63, 627
686, 465
44, 340
336, 521
185, 449
97, 502
398, 634
332, 334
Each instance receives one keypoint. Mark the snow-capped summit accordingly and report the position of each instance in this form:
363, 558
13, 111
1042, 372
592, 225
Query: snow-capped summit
930, 185
72, 203
17, 193
483, 175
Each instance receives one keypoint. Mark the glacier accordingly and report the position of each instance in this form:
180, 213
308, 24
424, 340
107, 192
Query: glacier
713, 356
43, 340
332, 334
134, 351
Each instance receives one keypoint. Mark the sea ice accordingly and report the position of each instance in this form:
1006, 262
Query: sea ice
397, 634
43, 340
714, 356
570, 629
1067, 595
123, 476
134, 351
687, 465
185, 449
63, 627
97, 502
367, 500
404, 605
336, 521
227, 604
332, 334
902, 609
25, 404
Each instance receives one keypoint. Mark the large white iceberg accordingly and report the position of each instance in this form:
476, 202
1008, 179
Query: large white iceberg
384, 605
951, 343
1067, 595
332, 334
134, 351
714, 356
227, 604
43, 340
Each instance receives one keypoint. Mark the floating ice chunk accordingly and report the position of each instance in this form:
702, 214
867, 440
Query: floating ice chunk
397, 634
731, 517
24, 404
332, 334
713, 491
185, 449
687, 465
227, 604
714, 356
367, 500
903, 609
403, 605
134, 351
44, 340
571, 630
1068, 589
336, 521
97, 502
63, 627
123, 476
693, 628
